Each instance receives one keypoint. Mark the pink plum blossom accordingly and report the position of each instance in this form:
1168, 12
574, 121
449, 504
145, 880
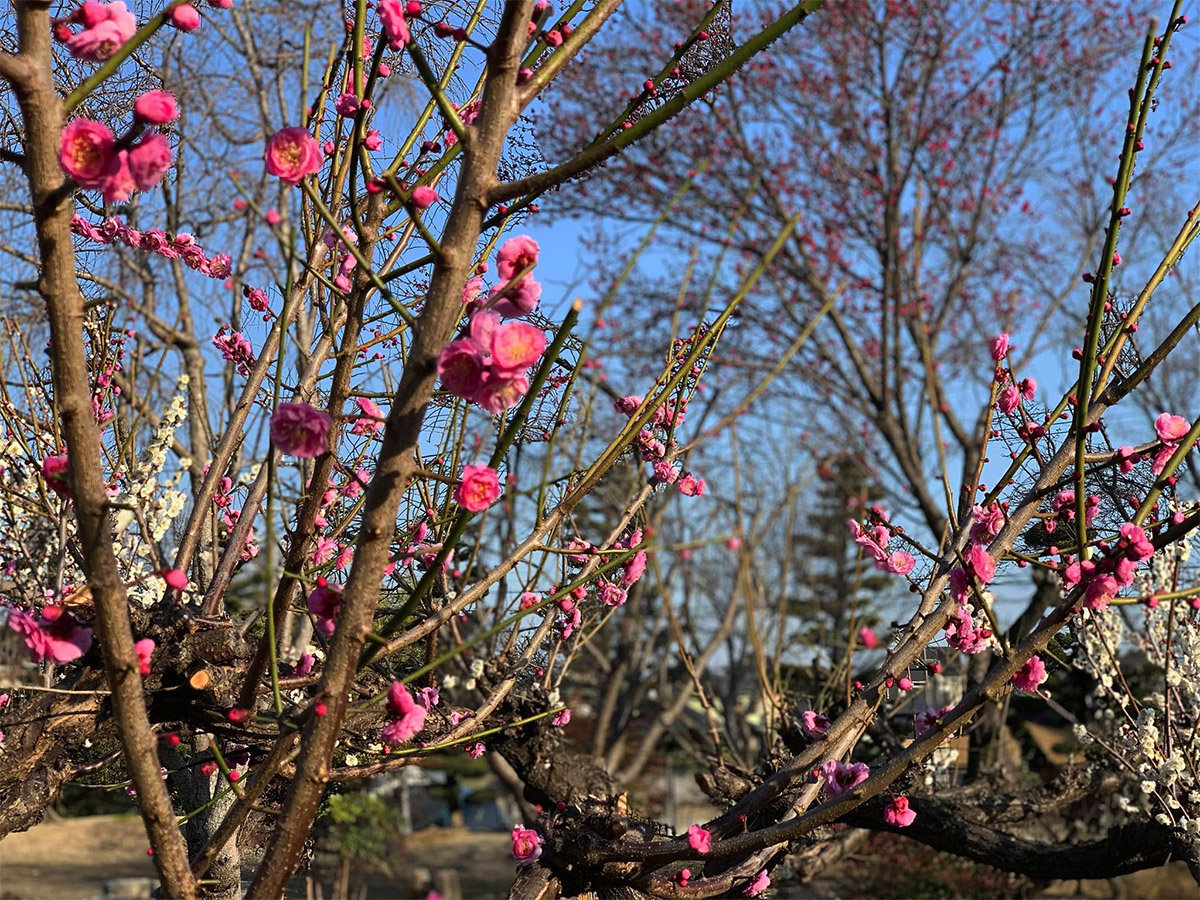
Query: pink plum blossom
56, 471
478, 488
408, 716
1030, 676
927, 719
300, 430
185, 17
561, 718
841, 777
980, 562
293, 154
1008, 399
324, 603
1101, 591
85, 152
395, 26
487, 366
520, 299
987, 522
999, 346
516, 346
901, 562
156, 108
964, 635
118, 183
144, 650
423, 196
761, 882
106, 27
148, 161
1171, 429
175, 579
526, 844
699, 839
370, 421
813, 724
610, 594
691, 486
462, 367
898, 814
634, 569
347, 105
57, 636
516, 255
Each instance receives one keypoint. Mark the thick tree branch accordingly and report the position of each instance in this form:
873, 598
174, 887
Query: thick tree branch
948, 826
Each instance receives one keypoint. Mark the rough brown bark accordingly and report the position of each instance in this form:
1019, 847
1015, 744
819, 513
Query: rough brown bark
482, 147
42, 114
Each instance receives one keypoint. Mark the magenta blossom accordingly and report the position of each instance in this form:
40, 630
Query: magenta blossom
610, 594
897, 814
520, 299
85, 152
292, 155
841, 777
371, 420
347, 105
185, 17
999, 346
144, 650
175, 579
813, 724
561, 718
106, 26
324, 603
478, 488
517, 255
408, 716
1030, 675
928, 718
57, 637
980, 562
298, 429
761, 882
691, 486
56, 471
900, 563
148, 161
699, 839
488, 365
964, 635
156, 108
1008, 399
526, 844
634, 569
1101, 591
1171, 429
423, 196
395, 26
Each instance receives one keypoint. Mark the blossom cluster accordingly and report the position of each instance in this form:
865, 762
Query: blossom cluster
489, 364
181, 246
874, 539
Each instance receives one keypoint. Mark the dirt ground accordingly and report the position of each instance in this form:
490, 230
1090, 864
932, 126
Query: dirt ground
71, 858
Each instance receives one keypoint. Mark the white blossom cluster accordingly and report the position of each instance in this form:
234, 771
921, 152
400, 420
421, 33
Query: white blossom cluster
35, 564
1152, 737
